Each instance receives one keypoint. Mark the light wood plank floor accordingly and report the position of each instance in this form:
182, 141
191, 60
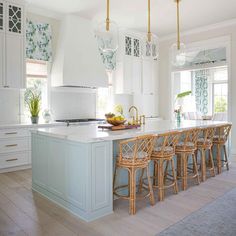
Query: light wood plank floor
23, 212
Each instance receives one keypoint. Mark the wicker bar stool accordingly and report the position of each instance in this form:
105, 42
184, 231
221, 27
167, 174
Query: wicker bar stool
204, 144
184, 149
220, 138
163, 153
134, 155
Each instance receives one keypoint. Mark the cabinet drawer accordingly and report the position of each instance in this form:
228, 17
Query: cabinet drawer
14, 159
14, 144
14, 133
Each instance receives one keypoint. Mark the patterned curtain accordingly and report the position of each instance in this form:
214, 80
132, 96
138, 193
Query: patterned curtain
201, 90
38, 41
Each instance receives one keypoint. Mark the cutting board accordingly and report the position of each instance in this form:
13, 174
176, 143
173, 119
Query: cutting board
119, 127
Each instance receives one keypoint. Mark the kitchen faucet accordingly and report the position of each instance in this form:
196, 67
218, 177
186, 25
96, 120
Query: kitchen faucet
136, 111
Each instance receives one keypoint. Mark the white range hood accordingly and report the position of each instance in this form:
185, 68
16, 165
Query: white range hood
77, 61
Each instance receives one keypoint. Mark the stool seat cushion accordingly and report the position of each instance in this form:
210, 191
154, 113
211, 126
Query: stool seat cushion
202, 141
163, 150
130, 155
187, 146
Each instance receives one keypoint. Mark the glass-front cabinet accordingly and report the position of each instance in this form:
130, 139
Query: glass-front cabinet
12, 19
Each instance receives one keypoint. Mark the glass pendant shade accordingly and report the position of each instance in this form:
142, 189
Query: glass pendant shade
178, 55
107, 38
150, 49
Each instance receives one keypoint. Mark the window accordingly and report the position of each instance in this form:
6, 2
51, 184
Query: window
104, 99
37, 79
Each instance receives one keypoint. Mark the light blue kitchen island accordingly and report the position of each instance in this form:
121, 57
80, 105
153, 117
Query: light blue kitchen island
73, 166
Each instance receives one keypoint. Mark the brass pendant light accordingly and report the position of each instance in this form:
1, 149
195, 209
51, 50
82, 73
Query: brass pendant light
150, 49
107, 33
178, 56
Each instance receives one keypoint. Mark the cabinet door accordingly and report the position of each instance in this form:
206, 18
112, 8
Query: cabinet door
2, 44
137, 76
14, 46
147, 77
2, 58
14, 61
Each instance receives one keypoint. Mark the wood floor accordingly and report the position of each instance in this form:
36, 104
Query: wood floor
23, 212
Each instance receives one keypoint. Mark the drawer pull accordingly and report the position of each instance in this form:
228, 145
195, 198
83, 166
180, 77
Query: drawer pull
11, 145
14, 159
10, 133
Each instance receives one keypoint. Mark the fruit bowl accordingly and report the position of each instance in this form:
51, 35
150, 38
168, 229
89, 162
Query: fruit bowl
115, 122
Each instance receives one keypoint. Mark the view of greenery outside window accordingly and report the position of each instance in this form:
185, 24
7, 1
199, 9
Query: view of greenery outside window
37, 81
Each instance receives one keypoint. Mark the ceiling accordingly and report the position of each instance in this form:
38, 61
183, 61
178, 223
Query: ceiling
133, 13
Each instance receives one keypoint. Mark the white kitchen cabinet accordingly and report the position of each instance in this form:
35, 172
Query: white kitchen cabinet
149, 76
128, 74
12, 37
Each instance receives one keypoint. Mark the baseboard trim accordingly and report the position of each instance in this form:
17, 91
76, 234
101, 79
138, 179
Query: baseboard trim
11, 169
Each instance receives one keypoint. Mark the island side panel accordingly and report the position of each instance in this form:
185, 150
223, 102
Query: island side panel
77, 176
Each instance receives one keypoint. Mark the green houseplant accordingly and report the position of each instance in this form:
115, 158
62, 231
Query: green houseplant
33, 100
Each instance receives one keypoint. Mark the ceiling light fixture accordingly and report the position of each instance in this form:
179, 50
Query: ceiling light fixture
151, 39
178, 56
107, 33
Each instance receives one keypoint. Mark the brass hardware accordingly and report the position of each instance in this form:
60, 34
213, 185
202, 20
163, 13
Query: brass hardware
10, 133
108, 16
14, 159
149, 34
136, 111
142, 120
178, 23
11, 145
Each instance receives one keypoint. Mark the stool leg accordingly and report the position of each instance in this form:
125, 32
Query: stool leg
160, 181
114, 178
218, 159
151, 197
212, 163
195, 169
179, 165
185, 172
203, 165
174, 176
155, 173
132, 207
226, 158
166, 171
141, 182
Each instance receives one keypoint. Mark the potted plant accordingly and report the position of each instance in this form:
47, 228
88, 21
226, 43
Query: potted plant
33, 99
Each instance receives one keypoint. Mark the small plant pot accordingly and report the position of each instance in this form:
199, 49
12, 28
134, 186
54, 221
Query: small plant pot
34, 119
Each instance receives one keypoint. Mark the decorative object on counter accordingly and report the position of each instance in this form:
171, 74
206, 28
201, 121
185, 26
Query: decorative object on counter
107, 34
178, 55
33, 99
119, 109
109, 115
116, 120
178, 108
151, 39
47, 115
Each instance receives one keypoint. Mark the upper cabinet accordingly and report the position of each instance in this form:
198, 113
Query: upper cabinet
12, 44
135, 73
78, 61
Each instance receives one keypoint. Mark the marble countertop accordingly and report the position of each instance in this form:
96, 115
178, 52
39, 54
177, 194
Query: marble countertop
29, 125
91, 133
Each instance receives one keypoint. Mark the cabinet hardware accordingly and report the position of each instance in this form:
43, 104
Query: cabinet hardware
5, 86
10, 133
11, 145
14, 159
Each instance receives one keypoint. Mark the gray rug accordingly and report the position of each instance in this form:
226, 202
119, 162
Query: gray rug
216, 219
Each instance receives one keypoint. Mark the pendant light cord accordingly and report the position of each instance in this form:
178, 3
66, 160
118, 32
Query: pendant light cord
149, 21
178, 26
108, 16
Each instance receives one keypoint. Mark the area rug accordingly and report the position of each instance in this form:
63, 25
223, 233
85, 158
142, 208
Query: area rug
215, 219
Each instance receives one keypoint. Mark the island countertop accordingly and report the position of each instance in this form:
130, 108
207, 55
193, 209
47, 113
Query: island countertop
91, 133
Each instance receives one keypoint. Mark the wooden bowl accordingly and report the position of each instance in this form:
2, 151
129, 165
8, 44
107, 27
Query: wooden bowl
116, 122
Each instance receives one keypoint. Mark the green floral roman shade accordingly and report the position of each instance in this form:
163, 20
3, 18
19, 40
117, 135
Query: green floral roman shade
38, 41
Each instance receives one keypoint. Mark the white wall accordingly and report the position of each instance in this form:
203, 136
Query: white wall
165, 76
